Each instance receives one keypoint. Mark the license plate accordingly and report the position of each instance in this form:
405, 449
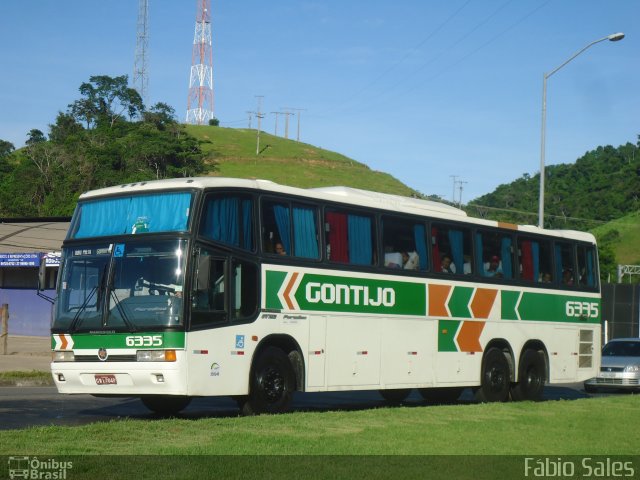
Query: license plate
106, 380
607, 374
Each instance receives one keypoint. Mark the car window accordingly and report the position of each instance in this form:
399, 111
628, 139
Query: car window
621, 349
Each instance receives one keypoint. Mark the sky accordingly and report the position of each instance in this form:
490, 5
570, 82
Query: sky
424, 90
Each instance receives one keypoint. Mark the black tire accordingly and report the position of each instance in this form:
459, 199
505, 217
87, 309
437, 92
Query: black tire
165, 404
590, 388
532, 377
441, 394
495, 377
396, 395
271, 385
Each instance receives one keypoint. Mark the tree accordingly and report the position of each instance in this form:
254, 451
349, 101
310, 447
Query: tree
161, 115
6, 148
105, 100
214, 122
35, 136
65, 126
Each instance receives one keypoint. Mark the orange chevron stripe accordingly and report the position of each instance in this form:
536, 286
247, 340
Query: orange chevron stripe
469, 336
482, 302
63, 342
287, 291
438, 295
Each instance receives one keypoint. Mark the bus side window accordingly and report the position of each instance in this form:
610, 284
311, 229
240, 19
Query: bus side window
494, 254
451, 249
587, 267
405, 245
534, 260
350, 237
565, 268
245, 284
208, 301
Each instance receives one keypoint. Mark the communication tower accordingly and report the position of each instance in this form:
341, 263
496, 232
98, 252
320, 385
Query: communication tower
140, 70
200, 99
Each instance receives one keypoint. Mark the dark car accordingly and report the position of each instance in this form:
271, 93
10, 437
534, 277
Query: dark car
620, 367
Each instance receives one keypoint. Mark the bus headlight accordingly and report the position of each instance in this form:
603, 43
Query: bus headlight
156, 355
60, 356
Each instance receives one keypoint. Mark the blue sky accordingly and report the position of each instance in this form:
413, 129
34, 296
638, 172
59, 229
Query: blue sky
419, 89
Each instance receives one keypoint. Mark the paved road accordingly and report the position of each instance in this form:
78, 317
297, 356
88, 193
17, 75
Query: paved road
22, 407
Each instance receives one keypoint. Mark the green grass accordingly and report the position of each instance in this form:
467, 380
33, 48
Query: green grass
288, 162
626, 247
33, 377
595, 426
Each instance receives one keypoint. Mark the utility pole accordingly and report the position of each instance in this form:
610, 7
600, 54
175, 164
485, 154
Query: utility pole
259, 115
250, 113
286, 121
298, 110
460, 183
275, 132
453, 195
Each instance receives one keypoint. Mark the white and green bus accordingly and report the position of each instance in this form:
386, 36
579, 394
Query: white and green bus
193, 287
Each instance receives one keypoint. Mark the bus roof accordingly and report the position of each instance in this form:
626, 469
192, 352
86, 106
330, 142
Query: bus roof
338, 194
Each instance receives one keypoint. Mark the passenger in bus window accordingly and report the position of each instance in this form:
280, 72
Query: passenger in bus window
410, 260
494, 267
545, 277
466, 268
280, 249
447, 266
567, 277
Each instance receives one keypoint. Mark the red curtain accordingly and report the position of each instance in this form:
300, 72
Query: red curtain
338, 236
526, 260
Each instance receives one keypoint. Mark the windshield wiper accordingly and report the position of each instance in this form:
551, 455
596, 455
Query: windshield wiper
85, 304
125, 318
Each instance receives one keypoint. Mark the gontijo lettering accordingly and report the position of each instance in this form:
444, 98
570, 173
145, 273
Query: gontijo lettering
350, 294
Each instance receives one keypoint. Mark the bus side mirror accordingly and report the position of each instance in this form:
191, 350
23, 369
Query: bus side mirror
42, 275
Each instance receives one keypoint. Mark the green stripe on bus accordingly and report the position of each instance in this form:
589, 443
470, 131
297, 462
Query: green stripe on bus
559, 308
459, 302
142, 341
273, 283
447, 335
509, 302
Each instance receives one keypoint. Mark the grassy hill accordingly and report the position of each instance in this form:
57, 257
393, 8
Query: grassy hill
288, 162
623, 234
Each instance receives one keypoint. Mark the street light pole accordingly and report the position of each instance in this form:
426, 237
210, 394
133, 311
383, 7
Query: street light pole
614, 37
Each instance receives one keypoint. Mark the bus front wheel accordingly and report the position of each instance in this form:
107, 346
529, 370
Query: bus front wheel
272, 384
496, 379
532, 377
165, 404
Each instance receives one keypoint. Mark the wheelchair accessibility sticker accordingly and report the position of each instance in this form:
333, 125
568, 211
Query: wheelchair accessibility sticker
239, 341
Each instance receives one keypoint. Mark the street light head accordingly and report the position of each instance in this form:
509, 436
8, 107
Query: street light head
614, 37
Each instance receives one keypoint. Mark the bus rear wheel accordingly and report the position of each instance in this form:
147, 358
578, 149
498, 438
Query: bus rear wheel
165, 404
495, 379
441, 394
396, 395
532, 377
272, 384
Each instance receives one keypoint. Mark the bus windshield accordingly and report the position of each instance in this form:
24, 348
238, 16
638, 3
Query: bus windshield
128, 286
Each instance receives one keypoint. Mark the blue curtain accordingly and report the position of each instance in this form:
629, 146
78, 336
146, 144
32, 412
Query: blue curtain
479, 262
455, 240
360, 248
535, 256
419, 234
505, 253
103, 217
247, 224
281, 213
558, 251
305, 238
162, 212
221, 221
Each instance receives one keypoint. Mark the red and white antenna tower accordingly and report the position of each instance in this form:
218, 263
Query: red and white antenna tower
200, 100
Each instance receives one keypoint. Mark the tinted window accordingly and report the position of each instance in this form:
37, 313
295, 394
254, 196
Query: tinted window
290, 229
404, 243
494, 254
228, 219
349, 237
534, 260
